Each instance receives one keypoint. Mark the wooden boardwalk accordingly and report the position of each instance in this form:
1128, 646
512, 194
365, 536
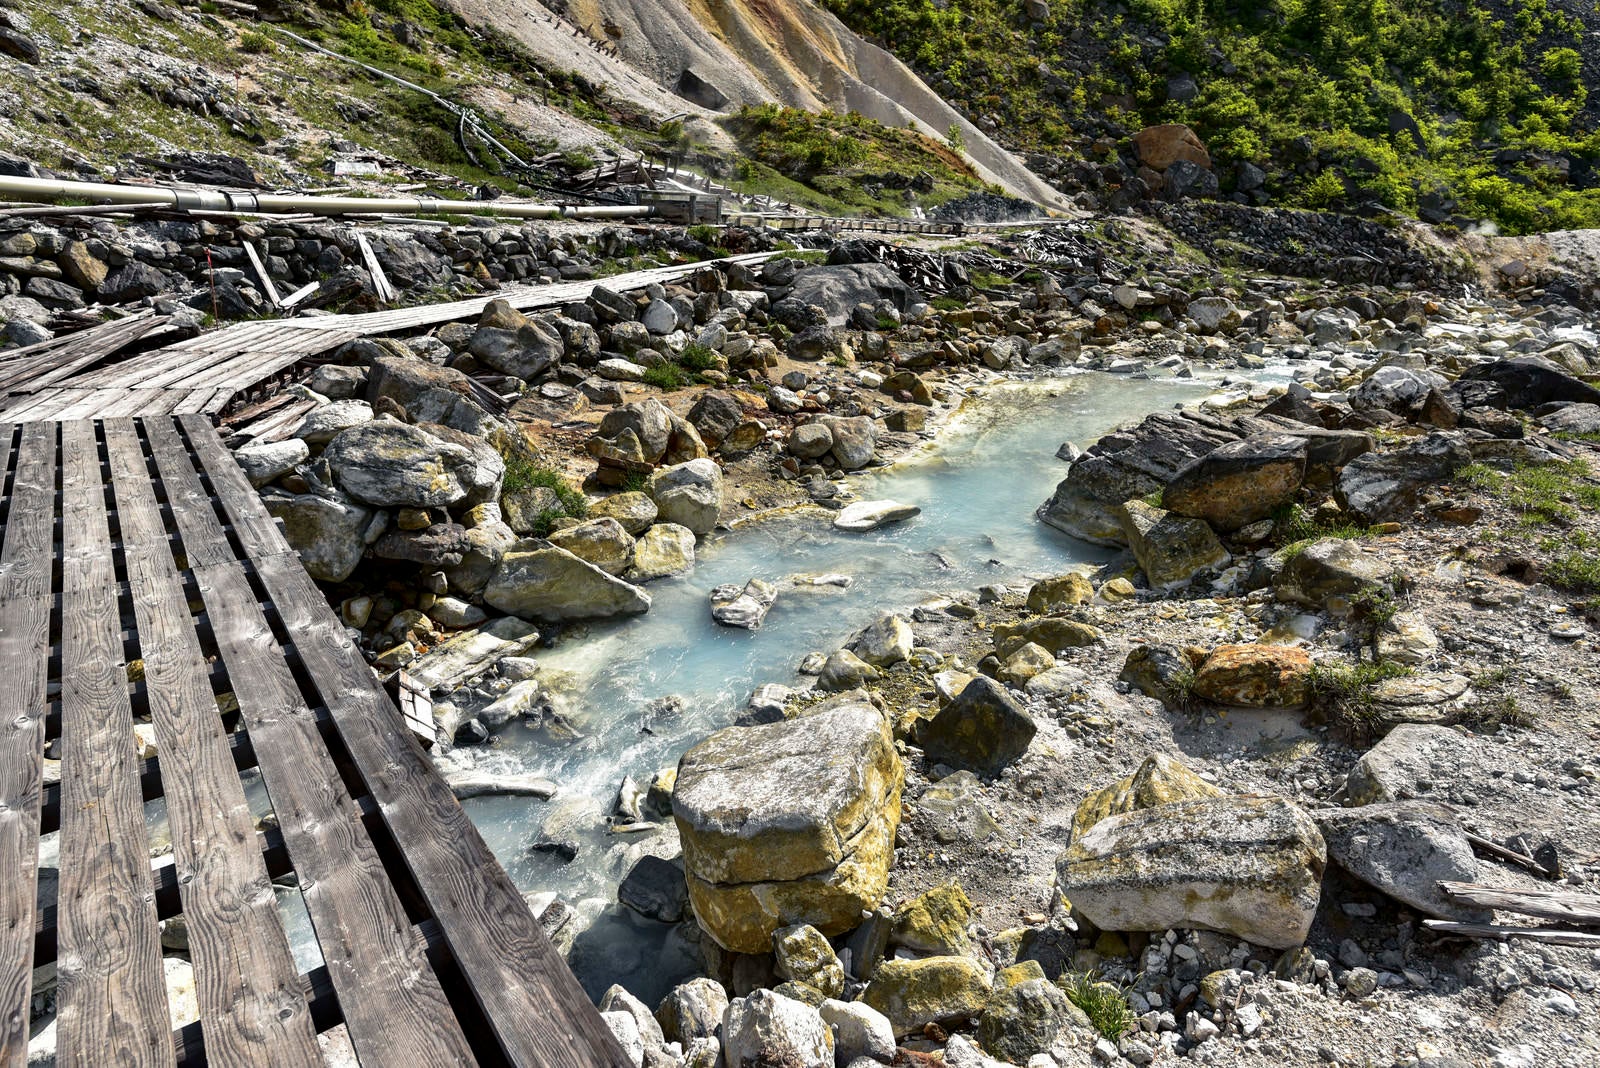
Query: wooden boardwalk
141, 580
81, 376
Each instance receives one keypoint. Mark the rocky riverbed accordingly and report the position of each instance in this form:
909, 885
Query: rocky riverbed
1331, 644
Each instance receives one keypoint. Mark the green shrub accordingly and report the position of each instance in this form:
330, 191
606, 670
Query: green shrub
256, 44
697, 357
666, 375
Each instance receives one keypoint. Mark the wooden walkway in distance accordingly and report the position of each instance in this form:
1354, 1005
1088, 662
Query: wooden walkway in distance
139, 540
78, 377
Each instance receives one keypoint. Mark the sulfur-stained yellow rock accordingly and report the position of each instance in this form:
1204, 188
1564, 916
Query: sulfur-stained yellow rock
1062, 591
1160, 780
789, 823
1052, 633
915, 993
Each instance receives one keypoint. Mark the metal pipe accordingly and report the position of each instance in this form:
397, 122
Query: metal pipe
218, 200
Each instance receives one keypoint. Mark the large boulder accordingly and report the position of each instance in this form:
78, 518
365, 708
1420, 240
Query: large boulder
665, 549
552, 585
789, 823
1406, 764
1023, 1018
602, 542
327, 532
1247, 866
1170, 548
716, 414
649, 421
634, 510
885, 641
1159, 147
1330, 573
915, 993
689, 494
854, 440
1405, 849
1241, 482
265, 462
982, 729
525, 352
394, 465
692, 1010
1255, 676
1382, 486
838, 289
767, 1028
1520, 382
744, 606
1394, 389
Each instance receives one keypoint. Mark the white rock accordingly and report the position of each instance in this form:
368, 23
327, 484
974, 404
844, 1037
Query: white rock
626, 1030
767, 1028
869, 515
859, 1030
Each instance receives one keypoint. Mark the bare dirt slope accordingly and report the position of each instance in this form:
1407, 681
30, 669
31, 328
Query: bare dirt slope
746, 52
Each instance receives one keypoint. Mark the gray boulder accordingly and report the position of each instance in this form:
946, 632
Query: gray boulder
838, 289
1331, 572
267, 461
982, 730
689, 494
1247, 866
743, 606
769, 1028
327, 532
854, 440
525, 352
1405, 849
552, 585
1382, 486
393, 465
1409, 762
692, 1010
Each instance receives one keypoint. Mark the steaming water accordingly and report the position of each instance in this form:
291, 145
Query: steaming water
978, 488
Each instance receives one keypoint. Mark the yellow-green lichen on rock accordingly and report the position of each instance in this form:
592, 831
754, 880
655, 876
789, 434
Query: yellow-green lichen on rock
801, 953
1247, 866
935, 921
915, 993
1160, 780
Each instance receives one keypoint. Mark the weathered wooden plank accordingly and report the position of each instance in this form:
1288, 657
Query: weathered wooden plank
25, 597
393, 1003
251, 1008
1548, 935
198, 400
257, 531
188, 499
27, 407
533, 1003
261, 273
1563, 905
112, 994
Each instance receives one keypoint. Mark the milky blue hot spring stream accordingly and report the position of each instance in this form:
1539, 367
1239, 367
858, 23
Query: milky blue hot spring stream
977, 487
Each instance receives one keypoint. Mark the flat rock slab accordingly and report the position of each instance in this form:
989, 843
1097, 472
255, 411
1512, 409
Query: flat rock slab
1247, 866
870, 515
1405, 849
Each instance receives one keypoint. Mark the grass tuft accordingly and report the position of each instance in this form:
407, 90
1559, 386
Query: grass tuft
1106, 1004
